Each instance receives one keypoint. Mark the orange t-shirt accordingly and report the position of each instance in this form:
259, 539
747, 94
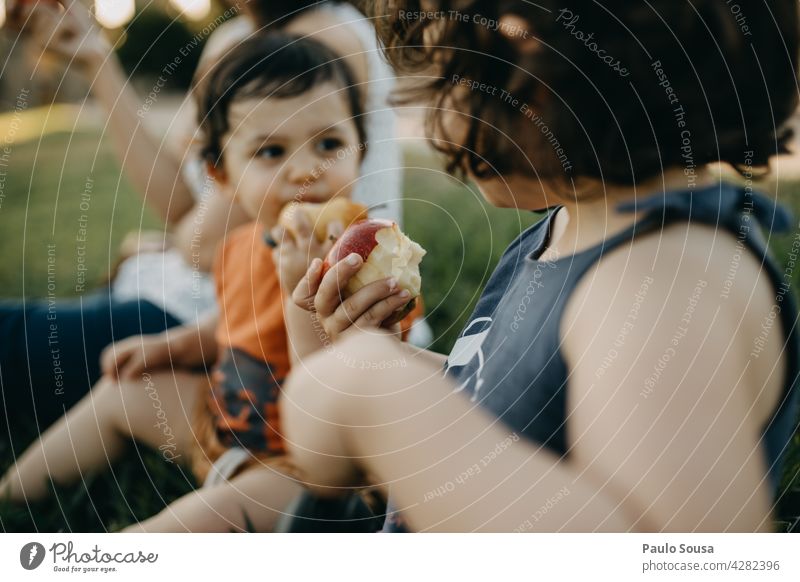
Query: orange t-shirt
250, 300
253, 346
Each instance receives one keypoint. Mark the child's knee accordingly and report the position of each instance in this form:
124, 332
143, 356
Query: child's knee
106, 391
119, 402
352, 360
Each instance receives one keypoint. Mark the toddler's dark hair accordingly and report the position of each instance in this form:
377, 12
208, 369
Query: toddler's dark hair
617, 90
273, 65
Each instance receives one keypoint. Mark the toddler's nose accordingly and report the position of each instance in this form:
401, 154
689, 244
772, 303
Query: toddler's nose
302, 170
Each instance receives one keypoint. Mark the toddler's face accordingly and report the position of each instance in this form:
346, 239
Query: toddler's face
302, 148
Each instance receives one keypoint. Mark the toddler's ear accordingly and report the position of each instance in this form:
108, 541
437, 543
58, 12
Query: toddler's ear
520, 32
221, 183
216, 171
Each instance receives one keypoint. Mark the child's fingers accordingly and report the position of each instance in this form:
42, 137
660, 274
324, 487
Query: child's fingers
382, 310
41, 24
328, 296
107, 363
58, 33
335, 229
17, 12
303, 225
284, 252
120, 363
132, 368
369, 307
280, 235
321, 249
303, 295
113, 358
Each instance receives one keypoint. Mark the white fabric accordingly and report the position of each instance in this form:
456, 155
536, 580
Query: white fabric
225, 466
165, 280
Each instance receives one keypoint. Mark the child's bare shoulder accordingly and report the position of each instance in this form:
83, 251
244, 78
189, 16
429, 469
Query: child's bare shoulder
690, 283
679, 256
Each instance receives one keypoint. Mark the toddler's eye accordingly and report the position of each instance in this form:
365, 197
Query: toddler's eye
271, 152
329, 144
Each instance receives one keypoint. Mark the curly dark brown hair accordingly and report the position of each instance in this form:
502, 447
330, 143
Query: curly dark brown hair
619, 91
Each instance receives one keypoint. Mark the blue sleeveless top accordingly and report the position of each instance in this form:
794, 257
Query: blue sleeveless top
508, 357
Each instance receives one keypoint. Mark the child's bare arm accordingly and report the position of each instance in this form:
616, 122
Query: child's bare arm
454, 467
411, 431
198, 233
684, 454
305, 334
187, 346
197, 343
292, 257
73, 35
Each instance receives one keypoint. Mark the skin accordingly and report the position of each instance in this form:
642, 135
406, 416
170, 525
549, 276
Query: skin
152, 164
222, 214
283, 147
686, 458
278, 150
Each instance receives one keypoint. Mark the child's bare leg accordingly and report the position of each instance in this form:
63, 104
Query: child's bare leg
156, 410
260, 493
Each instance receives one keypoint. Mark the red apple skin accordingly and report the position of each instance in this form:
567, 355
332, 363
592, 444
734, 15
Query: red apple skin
359, 238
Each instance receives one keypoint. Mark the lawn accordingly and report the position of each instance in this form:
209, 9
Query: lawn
66, 186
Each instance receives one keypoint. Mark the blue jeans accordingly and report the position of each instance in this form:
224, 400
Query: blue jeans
50, 349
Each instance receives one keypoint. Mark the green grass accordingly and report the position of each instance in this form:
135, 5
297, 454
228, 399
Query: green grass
464, 237
58, 190
55, 189
44, 189
42, 206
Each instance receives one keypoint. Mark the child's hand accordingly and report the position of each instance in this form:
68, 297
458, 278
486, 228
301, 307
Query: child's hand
129, 358
368, 308
296, 250
65, 28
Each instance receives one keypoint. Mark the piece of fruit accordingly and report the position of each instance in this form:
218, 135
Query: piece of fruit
387, 252
320, 215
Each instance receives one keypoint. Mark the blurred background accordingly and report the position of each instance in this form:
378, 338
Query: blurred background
57, 167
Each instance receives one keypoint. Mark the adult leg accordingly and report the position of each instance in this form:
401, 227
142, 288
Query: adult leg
49, 356
255, 499
156, 410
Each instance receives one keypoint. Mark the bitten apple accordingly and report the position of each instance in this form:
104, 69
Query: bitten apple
387, 252
320, 215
